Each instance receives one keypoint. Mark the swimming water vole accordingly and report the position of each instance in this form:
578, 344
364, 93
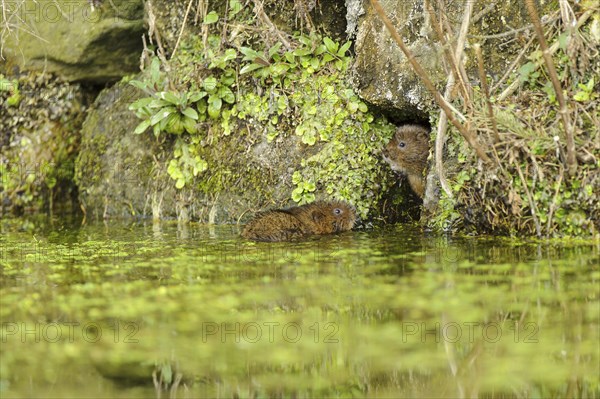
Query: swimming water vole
321, 217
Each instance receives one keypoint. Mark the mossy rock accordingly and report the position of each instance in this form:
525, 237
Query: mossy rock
75, 40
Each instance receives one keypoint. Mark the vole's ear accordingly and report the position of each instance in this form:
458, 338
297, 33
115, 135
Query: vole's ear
317, 216
423, 136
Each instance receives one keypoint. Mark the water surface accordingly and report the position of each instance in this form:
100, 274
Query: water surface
135, 309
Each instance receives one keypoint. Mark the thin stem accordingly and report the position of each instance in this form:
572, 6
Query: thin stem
185, 17
486, 92
563, 110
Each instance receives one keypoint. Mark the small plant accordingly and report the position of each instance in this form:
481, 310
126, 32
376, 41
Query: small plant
12, 87
164, 111
174, 113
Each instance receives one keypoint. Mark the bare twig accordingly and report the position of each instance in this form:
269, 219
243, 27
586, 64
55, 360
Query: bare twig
512, 66
446, 46
483, 12
486, 92
510, 89
563, 110
258, 9
454, 59
185, 17
429, 84
460, 45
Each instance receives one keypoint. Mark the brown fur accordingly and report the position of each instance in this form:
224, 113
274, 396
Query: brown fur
407, 152
287, 224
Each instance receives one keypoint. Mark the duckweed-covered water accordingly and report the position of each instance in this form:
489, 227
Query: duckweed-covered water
159, 310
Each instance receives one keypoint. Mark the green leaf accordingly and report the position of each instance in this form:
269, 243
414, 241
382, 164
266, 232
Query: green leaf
328, 57
139, 84
155, 70
230, 54
180, 183
314, 62
590, 85
211, 18
159, 103
210, 84
526, 70
189, 125
342, 51
581, 96
214, 106
141, 128
227, 95
190, 113
195, 97
305, 40
274, 49
142, 102
301, 52
162, 114
249, 54
297, 194
279, 69
332, 47
234, 7
250, 67
169, 97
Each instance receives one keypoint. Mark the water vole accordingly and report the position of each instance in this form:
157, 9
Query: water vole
407, 152
321, 217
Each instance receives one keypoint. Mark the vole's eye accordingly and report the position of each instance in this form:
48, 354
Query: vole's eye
337, 211
402, 144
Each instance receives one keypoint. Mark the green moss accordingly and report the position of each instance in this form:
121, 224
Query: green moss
41, 116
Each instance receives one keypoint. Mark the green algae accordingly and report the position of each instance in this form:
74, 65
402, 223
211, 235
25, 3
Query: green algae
365, 313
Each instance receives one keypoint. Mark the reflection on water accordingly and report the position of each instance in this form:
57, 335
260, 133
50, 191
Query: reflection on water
136, 309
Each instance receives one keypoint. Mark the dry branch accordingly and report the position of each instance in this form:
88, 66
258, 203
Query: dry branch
563, 111
486, 92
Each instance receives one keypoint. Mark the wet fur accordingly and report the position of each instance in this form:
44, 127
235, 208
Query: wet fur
318, 218
411, 159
